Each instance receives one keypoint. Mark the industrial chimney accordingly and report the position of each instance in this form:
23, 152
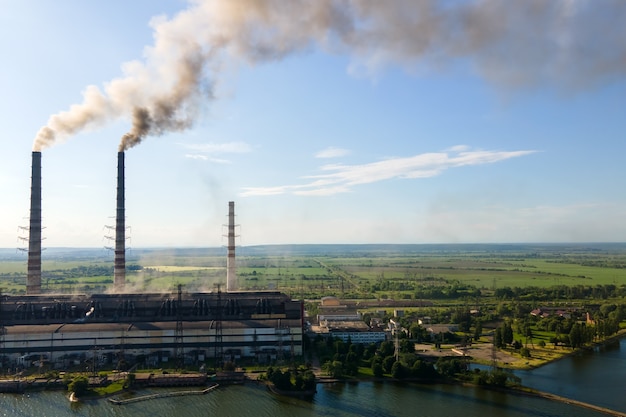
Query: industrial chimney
33, 278
119, 270
231, 277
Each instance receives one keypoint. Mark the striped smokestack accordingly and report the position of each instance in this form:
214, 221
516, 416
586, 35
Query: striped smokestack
33, 279
120, 228
231, 277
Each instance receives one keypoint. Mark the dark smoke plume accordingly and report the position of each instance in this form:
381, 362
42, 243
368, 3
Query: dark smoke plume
565, 44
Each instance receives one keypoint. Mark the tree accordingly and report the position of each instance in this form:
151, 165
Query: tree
417, 332
406, 346
79, 385
388, 363
377, 369
481, 377
497, 338
351, 364
334, 369
130, 380
308, 381
498, 378
605, 309
386, 348
507, 334
369, 351
478, 330
525, 352
399, 371
450, 367
462, 317
281, 380
421, 369
576, 338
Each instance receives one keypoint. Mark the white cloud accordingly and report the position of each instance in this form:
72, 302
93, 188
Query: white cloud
210, 151
458, 148
197, 156
265, 190
207, 158
332, 152
218, 148
340, 178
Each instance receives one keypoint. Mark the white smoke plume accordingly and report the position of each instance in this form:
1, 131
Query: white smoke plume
566, 44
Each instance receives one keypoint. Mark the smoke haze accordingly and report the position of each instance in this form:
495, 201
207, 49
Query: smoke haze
565, 44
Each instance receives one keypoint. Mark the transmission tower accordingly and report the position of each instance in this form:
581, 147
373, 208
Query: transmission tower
218, 329
279, 333
1, 331
178, 335
494, 357
121, 355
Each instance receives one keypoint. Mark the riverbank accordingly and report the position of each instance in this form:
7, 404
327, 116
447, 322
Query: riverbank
162, 395
482, 353
386, 382
296, 394
564, 400
539, 362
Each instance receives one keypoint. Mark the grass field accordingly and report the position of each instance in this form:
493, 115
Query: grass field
351, 271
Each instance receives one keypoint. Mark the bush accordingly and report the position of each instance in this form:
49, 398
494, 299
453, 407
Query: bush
79, 385
422, 369
481, 377
308, 381
51, 374
130, 380
388, 363
377, 369
399, 371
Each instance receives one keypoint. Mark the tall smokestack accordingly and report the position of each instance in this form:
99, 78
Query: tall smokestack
33, 279
231, 277
120, 228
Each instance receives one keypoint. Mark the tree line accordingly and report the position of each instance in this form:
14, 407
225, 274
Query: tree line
343, 359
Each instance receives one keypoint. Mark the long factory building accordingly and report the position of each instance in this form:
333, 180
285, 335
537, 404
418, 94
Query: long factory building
67, 329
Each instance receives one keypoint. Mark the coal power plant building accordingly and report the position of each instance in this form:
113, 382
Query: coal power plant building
146, 328
65, 330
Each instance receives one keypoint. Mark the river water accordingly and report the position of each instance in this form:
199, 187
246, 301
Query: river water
596, 377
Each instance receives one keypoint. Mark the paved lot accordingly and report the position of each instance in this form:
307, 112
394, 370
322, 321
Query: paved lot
479, 351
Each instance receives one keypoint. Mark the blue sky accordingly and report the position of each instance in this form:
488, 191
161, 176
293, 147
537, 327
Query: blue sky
319, 136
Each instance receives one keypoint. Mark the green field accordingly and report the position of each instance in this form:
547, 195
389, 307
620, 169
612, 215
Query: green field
349, 271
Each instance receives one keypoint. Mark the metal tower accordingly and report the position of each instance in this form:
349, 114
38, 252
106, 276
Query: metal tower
2, 330
218, 354
178, 334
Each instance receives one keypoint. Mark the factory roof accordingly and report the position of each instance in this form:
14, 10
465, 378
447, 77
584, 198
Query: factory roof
147, 326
